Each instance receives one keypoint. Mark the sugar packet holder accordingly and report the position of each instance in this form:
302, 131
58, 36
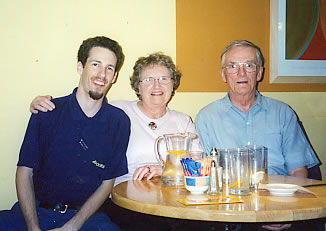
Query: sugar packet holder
192, 167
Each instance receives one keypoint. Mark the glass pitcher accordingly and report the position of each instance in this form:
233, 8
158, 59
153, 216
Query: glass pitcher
177, 147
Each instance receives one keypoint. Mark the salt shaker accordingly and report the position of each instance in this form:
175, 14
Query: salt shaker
213, 184
216, 185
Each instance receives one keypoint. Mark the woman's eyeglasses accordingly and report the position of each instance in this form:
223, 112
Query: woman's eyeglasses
150, 80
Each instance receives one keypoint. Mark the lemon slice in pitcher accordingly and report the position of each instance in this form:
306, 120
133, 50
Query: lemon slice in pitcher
257, 177
237, 184
178, 153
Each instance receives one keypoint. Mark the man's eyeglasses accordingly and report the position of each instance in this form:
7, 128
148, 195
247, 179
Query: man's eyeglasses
235, 67
150, 80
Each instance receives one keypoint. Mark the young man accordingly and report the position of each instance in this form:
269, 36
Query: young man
71, 156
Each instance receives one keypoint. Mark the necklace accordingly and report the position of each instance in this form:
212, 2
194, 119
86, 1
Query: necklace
152, 125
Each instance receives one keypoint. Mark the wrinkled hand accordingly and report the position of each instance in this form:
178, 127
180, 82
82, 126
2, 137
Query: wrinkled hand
41, 103
146, 185
148, 171
276, 227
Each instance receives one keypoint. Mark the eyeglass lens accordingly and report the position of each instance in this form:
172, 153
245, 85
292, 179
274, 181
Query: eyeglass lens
161, 80
234, 68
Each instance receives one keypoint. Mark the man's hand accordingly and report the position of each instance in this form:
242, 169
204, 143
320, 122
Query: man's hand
41, 103
277, 227
299, 172
148, 171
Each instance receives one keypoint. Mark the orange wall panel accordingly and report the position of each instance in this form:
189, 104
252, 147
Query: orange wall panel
205, 27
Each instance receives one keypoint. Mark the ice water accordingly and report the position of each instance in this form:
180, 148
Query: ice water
173, 171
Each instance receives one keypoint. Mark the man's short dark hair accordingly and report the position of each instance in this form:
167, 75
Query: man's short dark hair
101, 41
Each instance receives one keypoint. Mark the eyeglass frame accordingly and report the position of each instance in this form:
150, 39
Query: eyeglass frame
151, 80
227, 67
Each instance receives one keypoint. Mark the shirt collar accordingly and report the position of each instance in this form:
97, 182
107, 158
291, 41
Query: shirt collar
78, 114
227, 104
259, 101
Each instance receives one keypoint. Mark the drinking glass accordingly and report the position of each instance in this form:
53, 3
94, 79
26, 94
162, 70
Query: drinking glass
224, 159
239, 171
258, 164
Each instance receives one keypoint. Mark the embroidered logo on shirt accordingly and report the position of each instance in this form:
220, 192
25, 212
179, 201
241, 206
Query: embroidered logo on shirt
98, 164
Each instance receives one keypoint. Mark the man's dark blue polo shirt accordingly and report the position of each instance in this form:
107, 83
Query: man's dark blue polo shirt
72, 154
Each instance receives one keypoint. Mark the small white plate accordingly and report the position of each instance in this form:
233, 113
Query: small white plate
282, 189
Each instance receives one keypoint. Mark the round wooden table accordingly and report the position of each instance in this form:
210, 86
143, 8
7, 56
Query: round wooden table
155, 198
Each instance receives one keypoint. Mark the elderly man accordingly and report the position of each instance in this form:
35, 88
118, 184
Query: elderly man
245, 117
71, 156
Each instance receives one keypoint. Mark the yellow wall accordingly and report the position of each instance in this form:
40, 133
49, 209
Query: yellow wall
39, 43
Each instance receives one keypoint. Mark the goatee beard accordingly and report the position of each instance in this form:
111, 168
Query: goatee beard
95, 95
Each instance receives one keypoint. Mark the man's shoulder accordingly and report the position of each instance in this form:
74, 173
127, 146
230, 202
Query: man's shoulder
212, 111
115, 112
116, 120
47, 121
59, 104
61, 100
271, 103
215, 106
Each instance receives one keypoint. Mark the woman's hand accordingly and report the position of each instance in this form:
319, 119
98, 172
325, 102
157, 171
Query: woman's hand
41, 103
148, 171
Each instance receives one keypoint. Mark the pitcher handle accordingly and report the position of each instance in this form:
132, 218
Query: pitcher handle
157, 152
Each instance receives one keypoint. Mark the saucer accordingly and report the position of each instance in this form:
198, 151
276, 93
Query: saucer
282, 189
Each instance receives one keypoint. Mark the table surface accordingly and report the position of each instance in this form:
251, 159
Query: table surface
155, 198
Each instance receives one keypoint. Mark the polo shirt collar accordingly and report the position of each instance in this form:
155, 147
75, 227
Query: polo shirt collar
78, 114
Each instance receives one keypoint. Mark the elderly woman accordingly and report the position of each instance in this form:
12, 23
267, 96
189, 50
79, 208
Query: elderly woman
154, 80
